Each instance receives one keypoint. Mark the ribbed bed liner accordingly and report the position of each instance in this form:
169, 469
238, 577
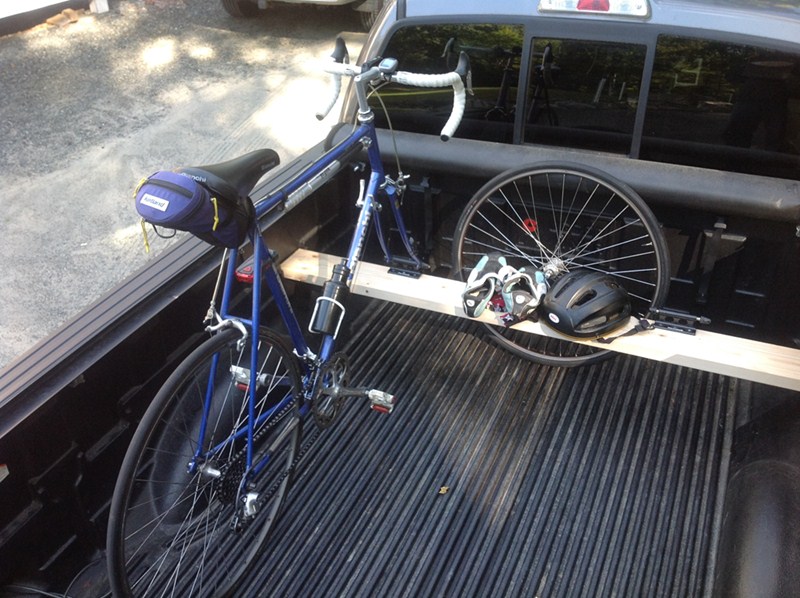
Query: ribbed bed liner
497, 477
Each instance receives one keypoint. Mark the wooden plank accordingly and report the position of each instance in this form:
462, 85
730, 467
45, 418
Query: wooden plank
98, 6
722, 354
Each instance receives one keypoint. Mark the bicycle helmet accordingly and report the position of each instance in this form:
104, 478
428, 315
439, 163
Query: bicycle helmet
586, 304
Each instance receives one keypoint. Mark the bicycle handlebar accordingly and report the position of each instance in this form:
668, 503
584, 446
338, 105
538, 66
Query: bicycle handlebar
453, 79
386, 71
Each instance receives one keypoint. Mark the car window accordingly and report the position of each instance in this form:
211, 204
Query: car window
494, 51
726, 106
583, 94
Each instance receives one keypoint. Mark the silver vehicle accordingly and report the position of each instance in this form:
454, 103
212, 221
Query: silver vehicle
368, 9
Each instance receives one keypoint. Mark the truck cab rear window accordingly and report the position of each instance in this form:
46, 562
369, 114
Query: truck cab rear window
494, 51
712, 104
724, 106
583, 94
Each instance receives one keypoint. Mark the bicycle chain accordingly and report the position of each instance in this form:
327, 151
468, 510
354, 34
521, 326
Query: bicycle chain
274, 488
338, 358
229, 483
288, 471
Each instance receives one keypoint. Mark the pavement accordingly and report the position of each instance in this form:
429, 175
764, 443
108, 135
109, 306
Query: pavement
90, 105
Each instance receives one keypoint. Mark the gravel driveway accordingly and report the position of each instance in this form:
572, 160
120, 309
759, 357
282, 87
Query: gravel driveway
90, 107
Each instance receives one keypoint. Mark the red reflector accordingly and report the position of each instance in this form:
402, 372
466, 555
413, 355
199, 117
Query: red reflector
245, 274
595, 5
622, 8
246, 271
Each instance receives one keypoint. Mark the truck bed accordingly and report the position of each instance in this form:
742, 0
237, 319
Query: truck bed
493, 476
496, 476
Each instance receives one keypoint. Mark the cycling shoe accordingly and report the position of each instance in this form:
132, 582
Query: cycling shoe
522, 292
482, 284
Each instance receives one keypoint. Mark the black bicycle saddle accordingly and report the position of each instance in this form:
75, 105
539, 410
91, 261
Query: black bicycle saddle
235, 179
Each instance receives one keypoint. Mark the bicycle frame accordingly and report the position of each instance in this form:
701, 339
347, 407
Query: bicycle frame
362, 138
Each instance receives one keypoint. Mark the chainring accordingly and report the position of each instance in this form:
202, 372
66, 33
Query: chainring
327, 400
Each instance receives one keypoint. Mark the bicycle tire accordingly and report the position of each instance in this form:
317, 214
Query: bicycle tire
368, 17
563, 217
241, 9
169, 530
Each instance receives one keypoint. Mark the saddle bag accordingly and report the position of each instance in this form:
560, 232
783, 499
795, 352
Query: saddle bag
178, 201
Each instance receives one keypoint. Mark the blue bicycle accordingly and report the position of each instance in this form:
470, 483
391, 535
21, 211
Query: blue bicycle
208, 467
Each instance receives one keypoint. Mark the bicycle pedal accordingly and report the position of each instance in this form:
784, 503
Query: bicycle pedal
382, 402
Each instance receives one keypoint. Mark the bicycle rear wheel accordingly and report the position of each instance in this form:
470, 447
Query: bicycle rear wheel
559, 218
180, 531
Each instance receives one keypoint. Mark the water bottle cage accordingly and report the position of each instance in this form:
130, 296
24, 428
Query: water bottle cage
313, 328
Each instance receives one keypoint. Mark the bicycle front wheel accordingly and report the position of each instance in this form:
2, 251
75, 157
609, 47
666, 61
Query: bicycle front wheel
182, 522
557, 219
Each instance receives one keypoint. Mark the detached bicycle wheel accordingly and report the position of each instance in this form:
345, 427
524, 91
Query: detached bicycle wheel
177, 523
559, 218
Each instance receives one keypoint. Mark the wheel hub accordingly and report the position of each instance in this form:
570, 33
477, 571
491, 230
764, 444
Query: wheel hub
553, 268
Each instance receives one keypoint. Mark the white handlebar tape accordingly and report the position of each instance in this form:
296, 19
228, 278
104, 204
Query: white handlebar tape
337, 69
459, 96
337, 88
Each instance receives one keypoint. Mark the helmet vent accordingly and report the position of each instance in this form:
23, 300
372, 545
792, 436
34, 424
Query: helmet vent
593, 323
585, 298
